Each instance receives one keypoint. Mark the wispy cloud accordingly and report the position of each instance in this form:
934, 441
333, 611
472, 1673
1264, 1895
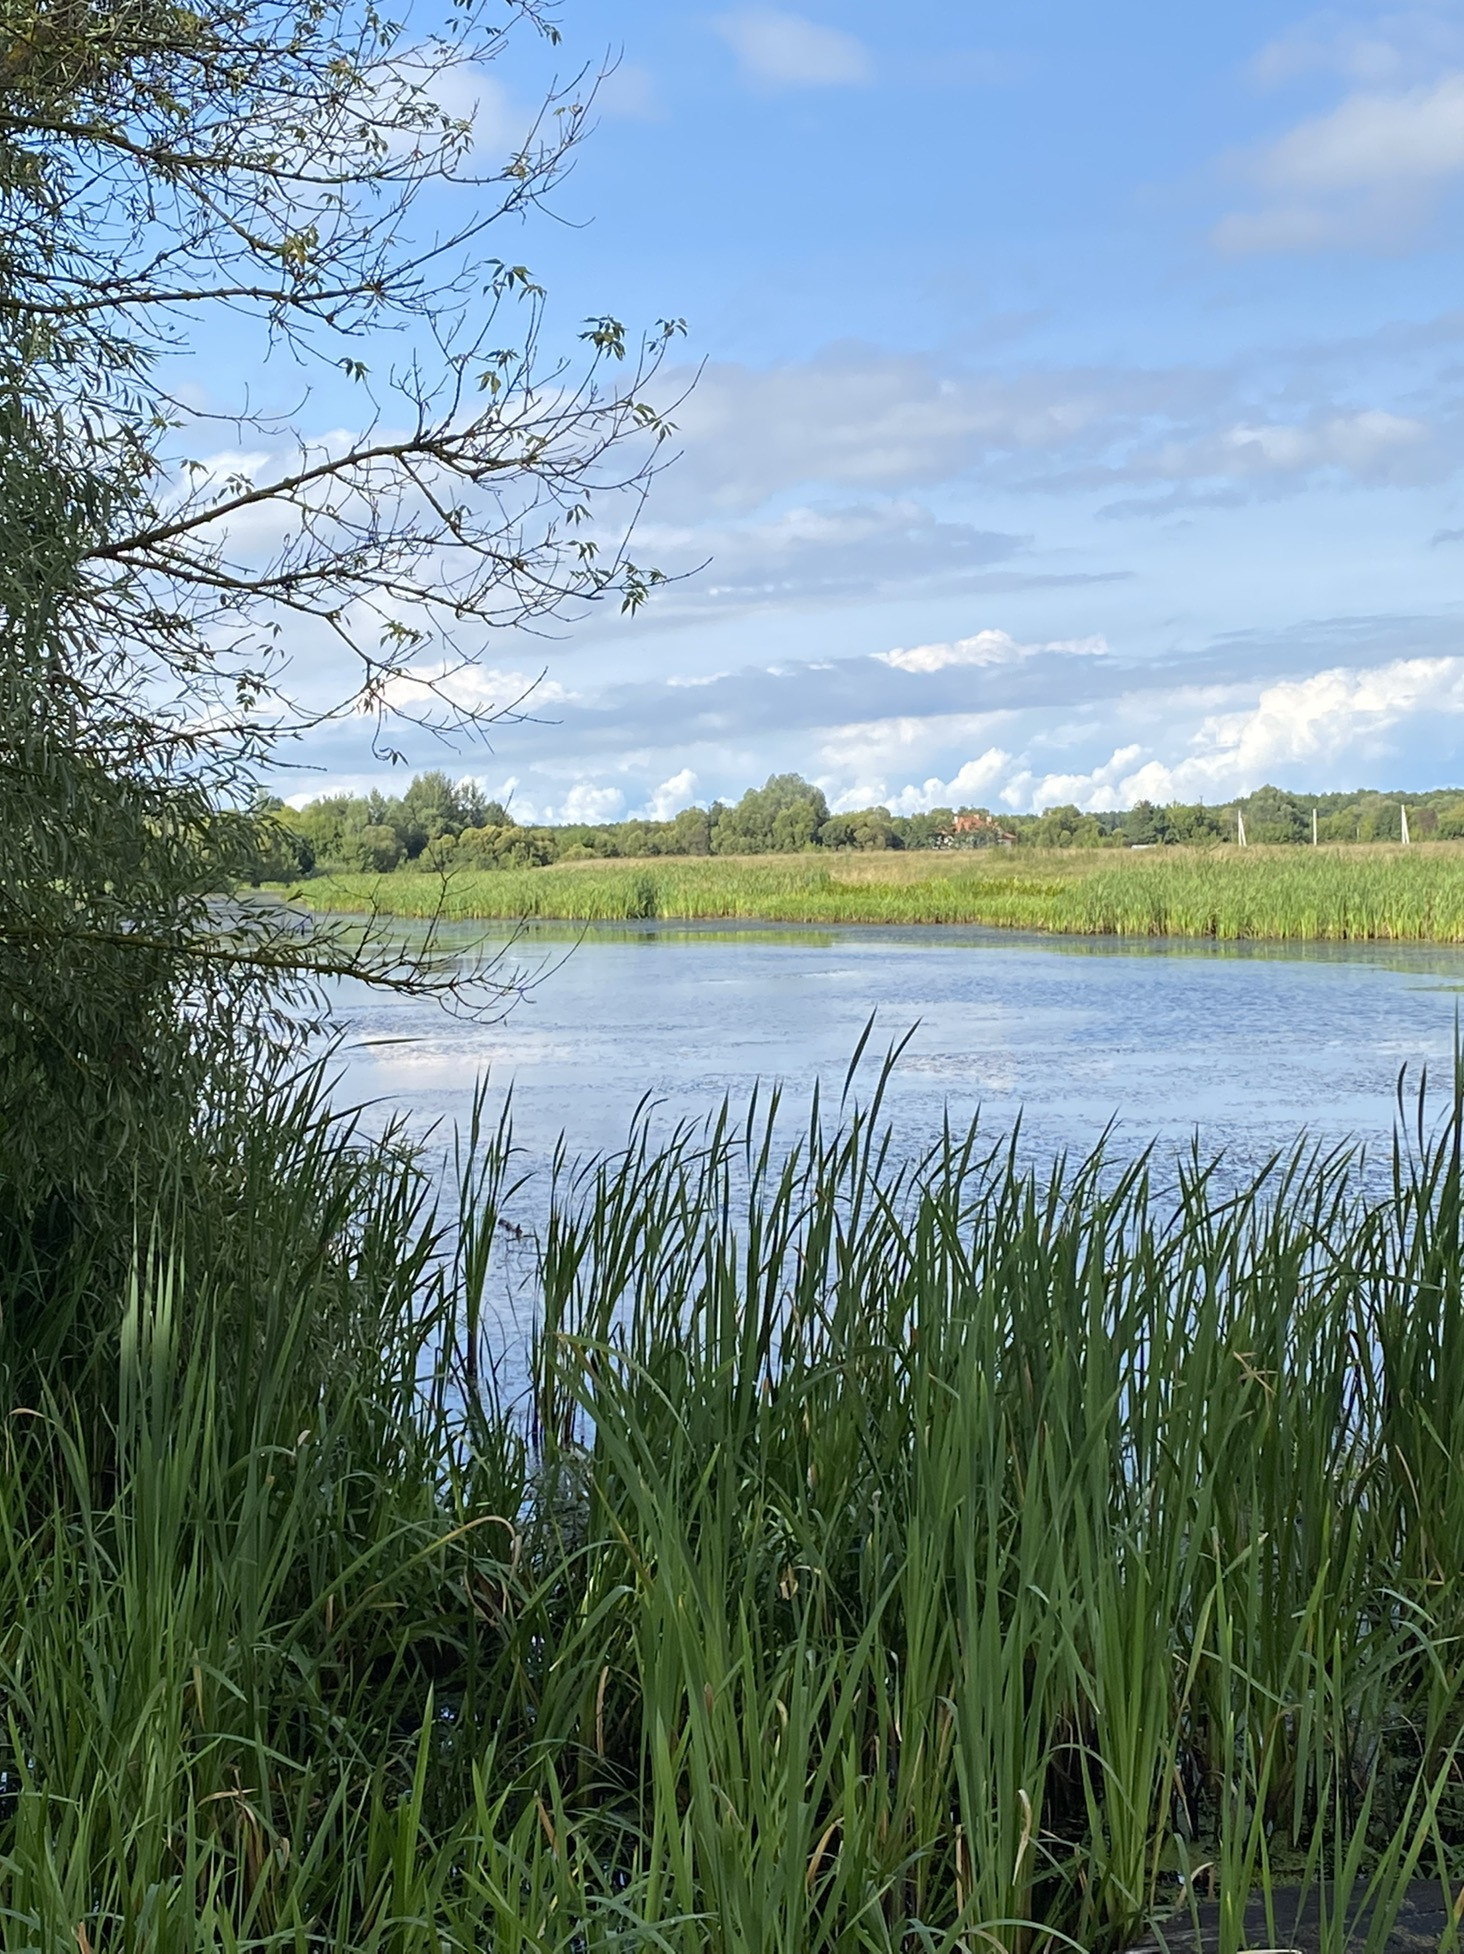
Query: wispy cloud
1392, 49
782, 50
481, 689
1367, 172
629, 92
985, 648
894, 424
819, 552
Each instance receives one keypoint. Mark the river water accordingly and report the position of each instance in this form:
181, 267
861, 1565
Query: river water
1241, 1045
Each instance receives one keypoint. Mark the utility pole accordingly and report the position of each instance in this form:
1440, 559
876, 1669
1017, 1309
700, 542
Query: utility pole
1240, 827
1404, 812
1314, 827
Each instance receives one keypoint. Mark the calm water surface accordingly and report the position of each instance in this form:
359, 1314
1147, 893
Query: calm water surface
1242, 1045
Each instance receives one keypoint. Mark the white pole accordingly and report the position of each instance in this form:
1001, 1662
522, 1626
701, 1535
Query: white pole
1404, 812
1240, 827
1314, 827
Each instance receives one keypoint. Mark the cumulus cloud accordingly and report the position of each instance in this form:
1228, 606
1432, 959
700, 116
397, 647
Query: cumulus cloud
1160, 732
1336, 704
1104, 786
1298, 723
874, 749
589, 803
971, 783
671, 796
1296, 730
782, 50
985, 648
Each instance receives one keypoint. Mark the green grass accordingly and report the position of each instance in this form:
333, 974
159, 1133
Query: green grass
1353, 894
922, 1555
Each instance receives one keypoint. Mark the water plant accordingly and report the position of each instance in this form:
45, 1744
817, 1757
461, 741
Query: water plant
893, 1551
1353, 894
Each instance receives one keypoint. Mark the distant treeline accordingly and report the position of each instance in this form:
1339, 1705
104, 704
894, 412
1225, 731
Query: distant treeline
438, 823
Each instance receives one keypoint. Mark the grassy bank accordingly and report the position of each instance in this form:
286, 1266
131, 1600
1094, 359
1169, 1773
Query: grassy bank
1355, 894
921, 1557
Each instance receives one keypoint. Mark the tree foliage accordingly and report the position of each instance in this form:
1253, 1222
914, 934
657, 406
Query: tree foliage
285, 177
786, 814
288, 165
445, 826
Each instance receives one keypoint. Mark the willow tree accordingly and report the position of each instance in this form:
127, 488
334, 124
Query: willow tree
298, 183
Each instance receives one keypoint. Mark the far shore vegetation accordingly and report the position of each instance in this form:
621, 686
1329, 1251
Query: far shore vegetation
438, 824
1332, 895
950, 871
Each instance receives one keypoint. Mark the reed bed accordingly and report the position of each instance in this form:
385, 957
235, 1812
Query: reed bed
894, 1554
1336, 895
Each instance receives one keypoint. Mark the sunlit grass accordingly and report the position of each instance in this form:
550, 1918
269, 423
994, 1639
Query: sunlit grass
1351, 894
897, 1554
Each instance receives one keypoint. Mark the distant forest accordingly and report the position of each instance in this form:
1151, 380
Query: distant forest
438, 823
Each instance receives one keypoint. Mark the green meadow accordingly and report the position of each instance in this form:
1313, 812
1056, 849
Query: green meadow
1352, 894
894, 1555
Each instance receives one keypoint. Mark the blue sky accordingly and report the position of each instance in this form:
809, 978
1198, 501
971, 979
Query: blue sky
1079, 408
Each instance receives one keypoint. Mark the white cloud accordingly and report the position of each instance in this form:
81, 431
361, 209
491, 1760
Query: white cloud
588, 803
1364, 173
971, 783
1302, 53
499, 125
1393, 49
1299, 723
355, 784
671, 796
781, 50
1169, 742
872, 749
1296, 730
869, 419
629, 93
1359, 443
819, 553
1416, 136
476, 688
427, 80
1287, 227
1362, 447
1105, 786
990, 647
885, 428
1096, 732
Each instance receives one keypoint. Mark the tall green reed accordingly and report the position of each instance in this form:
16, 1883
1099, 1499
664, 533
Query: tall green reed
898, 1550
1341, 894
